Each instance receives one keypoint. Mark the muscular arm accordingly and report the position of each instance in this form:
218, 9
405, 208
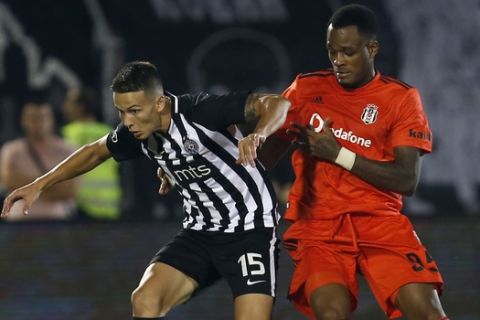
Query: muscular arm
399, 176
84, 159
272, 151
271, 111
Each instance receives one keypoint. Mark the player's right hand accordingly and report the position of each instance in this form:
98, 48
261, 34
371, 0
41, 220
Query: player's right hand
28, 194
166, 184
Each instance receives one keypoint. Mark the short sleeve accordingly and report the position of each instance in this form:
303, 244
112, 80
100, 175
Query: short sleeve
217, 112
123, 145
411, 126
291, 94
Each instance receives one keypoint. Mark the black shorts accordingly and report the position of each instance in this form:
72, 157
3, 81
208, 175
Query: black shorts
248, 260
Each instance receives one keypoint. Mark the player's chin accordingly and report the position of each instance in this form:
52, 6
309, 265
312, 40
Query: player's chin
346, 83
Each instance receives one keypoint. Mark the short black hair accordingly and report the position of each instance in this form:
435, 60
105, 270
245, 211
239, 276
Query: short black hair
356, 15
137, 76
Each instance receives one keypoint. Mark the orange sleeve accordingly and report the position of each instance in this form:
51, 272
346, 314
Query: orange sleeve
291, 93
411, 127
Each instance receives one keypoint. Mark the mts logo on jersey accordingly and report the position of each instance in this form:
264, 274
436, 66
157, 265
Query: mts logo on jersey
192, 172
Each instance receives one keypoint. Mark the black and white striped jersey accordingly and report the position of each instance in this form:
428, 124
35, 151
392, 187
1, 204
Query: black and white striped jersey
199, 154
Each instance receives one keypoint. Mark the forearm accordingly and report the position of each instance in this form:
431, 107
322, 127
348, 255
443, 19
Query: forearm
388, 176
83, 160
61, 191
272, 114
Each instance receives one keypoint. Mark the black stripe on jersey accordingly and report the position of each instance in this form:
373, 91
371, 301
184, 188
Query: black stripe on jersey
239, 170
193, 213
321, 73
218, 204
178, 155
225, 183
393, 80
207, 222
265, 177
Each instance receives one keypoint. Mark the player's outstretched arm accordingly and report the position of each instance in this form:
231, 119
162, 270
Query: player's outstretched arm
271, 111
84, 159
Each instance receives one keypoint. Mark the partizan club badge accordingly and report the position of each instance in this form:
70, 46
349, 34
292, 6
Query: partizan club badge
369, 114
191, 146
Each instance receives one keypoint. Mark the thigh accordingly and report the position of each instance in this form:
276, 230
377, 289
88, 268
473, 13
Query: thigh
419, 301
323, 273
248, 261
165, 284
388, 267
189, 254
253, 306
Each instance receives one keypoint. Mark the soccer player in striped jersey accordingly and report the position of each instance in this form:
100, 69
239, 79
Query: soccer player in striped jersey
361, 136
229, 230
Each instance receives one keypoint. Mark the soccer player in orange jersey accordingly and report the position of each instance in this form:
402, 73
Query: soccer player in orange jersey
361, 136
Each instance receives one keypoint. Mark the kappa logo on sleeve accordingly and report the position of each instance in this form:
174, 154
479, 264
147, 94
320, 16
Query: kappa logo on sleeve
424, 135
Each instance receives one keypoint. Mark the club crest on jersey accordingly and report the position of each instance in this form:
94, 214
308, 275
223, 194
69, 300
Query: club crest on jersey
191, 146
369, 114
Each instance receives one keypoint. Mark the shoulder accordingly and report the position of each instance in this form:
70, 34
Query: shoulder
320, 74
314, 79
396, 84
187, 101
311, 84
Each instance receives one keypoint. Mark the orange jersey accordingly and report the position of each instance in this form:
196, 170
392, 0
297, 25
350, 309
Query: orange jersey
371, 121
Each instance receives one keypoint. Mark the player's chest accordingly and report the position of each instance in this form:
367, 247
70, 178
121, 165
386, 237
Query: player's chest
358, 121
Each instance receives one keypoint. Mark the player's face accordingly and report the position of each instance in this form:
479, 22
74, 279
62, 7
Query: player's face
352, 56
139, 112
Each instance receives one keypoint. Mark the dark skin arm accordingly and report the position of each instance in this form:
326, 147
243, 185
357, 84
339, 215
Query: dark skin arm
400, 175
272, 151
270, 112
84, 159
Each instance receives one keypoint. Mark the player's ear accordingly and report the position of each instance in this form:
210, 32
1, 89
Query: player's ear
372, 47
161, 102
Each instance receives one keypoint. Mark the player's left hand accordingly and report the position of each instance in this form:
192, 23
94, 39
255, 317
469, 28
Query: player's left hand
321, 144
247, 148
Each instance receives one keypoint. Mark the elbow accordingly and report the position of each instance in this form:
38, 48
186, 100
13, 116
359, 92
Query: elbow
284, 105
409, 186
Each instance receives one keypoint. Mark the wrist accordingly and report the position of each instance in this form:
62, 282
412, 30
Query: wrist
346, 158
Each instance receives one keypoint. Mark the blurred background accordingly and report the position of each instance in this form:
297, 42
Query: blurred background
82, 258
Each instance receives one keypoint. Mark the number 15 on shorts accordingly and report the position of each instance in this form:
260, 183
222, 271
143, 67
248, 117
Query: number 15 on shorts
252, 265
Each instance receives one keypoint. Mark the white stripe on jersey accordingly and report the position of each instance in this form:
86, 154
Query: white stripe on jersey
227, 204
231, 175
232, 149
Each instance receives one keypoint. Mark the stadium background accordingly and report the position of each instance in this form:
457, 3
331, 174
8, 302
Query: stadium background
80, 270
